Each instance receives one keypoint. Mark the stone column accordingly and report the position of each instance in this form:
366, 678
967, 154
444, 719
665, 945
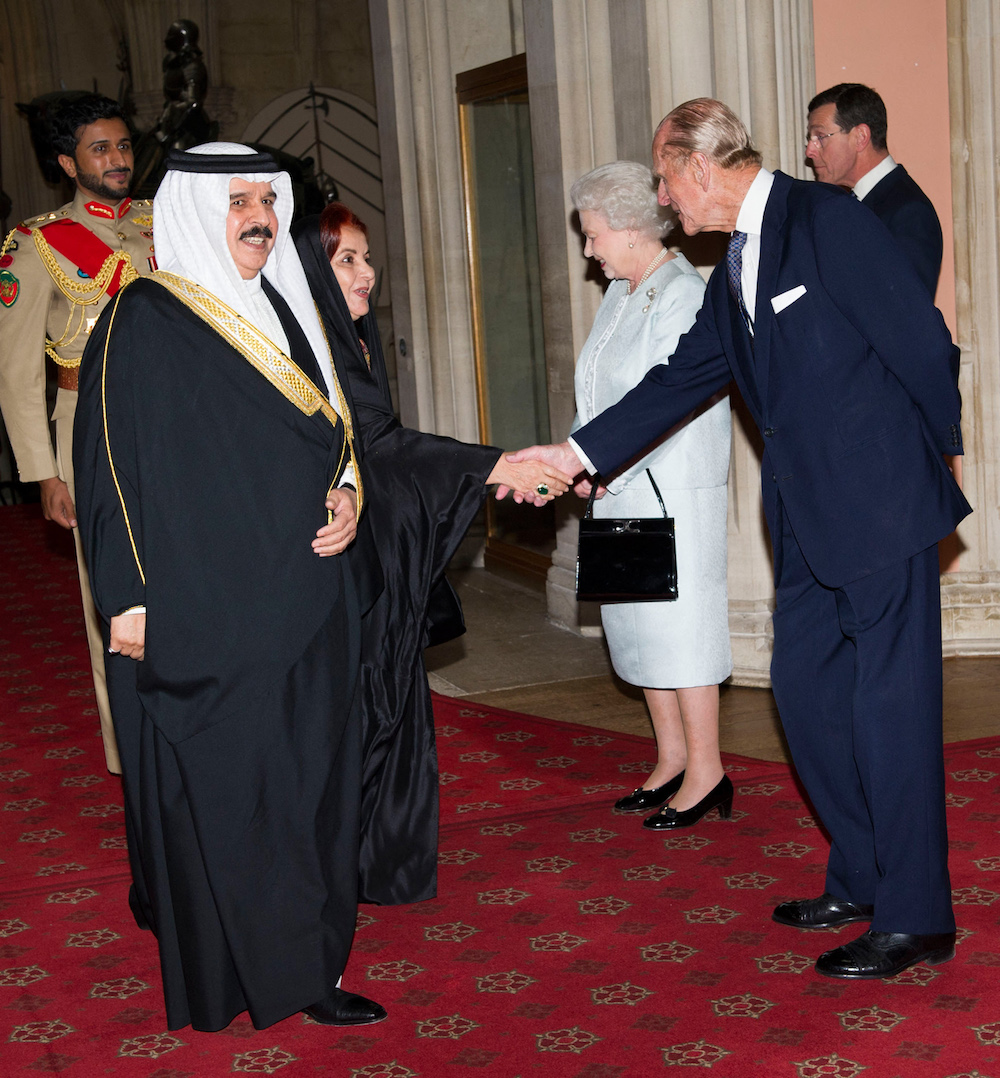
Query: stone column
971, 598
573, 129
392, 101
418, 49
763, 55
629, 37
438, 175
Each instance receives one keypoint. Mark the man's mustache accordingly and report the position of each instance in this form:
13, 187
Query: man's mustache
257, 230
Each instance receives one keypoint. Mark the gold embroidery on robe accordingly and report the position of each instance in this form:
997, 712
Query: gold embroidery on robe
265, 357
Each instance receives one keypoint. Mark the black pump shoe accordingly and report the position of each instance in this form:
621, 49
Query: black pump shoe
342, 1008
640, 800
669, 819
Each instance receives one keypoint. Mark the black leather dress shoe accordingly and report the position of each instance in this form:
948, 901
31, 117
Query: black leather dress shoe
884, 954
827, 911
640, 800
669, 819
342, 1008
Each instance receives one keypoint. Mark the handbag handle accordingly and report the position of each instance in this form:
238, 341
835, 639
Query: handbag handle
595, 483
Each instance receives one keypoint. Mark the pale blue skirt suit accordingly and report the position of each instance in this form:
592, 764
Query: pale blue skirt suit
683, 643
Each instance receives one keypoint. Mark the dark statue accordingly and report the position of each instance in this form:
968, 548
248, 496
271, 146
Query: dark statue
183, 123
185, 83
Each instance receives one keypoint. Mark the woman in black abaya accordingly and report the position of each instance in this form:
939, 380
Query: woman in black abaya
422, 493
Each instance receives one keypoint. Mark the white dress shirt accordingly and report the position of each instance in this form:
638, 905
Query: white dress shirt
873, 176
751, 221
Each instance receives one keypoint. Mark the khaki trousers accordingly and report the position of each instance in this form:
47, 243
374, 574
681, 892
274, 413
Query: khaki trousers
62, 416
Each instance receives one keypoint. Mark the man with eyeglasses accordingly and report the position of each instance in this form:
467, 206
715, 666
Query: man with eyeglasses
846, 145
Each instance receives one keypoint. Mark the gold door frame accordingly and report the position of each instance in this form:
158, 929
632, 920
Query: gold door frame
503, 78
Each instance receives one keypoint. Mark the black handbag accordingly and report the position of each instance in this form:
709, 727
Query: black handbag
626, 560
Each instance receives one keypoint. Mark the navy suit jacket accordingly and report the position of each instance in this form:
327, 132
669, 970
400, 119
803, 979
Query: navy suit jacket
910, 216
849, 385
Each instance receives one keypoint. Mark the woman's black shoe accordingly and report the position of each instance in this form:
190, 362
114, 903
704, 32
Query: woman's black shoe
668, 819
641, 800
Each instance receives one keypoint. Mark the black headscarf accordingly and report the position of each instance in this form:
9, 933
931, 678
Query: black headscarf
369, 387
423, 491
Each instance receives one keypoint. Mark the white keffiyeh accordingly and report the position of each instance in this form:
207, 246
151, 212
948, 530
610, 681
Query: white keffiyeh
189, 230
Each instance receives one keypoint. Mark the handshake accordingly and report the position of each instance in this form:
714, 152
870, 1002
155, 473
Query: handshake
539, 473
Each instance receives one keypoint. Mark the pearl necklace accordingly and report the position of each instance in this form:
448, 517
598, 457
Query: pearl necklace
649, 269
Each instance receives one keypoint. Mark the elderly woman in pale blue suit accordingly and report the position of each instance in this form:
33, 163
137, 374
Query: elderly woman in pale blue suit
678, 652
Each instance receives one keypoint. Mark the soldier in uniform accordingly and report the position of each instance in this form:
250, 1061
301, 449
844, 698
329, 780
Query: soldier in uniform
57, 273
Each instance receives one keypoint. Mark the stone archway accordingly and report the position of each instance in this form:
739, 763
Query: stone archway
338, 130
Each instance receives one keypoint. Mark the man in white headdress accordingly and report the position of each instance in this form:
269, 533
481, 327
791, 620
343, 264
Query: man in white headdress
217, 483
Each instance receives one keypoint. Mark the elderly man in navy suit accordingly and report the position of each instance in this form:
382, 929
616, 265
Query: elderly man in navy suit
846, 145
841, 358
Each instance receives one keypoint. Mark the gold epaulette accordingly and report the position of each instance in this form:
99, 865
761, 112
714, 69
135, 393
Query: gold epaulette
44, 218
28, 226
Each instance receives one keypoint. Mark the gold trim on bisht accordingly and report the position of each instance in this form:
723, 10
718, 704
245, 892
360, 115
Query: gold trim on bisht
107, 442
265, 357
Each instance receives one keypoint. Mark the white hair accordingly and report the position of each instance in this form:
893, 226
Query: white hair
624, 194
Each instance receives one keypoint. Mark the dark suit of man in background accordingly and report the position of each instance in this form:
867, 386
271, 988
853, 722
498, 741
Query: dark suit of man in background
846, 145
842, 360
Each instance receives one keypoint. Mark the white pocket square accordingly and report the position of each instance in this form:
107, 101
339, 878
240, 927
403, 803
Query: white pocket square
786, 299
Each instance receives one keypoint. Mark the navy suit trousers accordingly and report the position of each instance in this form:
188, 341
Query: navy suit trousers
857, 679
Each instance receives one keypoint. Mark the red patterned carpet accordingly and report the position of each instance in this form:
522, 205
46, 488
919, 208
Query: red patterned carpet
565, 941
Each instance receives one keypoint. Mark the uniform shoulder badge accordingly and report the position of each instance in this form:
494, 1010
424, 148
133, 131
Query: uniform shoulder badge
9, 287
